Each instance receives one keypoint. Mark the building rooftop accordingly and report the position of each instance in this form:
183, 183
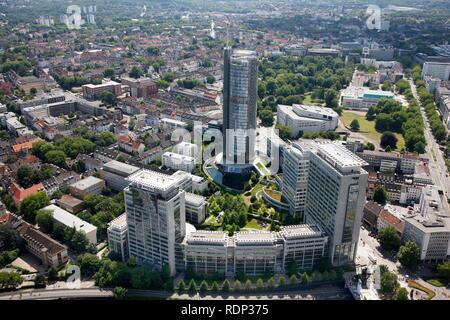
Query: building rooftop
70, 220
120, 166
207, 237
153, 180
69, 200
339, 156
86, 183
300, 231
194, 199
254, 237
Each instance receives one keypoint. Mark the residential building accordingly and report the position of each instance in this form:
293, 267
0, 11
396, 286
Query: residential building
371, 213
387, 218
186, 149
118, 236
302, 118
140, 88
429, 226
68, 220
70, 204
93, 91
155, 208
115, 173
87, 186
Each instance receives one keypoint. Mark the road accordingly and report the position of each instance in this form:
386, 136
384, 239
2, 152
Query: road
45, 294
438, 169
321, 293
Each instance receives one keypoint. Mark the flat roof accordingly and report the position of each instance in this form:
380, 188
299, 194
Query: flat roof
207, 237
86, 183
154, 180
337, 154
253, 237
120, 166
300, 231
194, 198
70, 220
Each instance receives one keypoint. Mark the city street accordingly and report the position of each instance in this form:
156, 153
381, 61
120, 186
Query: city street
438, 169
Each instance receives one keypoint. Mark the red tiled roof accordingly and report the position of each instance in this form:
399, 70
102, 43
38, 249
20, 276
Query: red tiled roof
391, 220
19, 193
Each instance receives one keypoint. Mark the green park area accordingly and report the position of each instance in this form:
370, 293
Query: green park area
367, 128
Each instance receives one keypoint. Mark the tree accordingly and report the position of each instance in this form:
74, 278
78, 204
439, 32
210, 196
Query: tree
108, 73
354, 125
271, 282
266, 117
108, 98
284, 132
259, 283
237, 285
389, 238
120, 293
444, 269
226, 285
32, 204
304, 278
44, 219
181, 286
210, 79
52, 273
248, 284
400, 294
39, 281
282, 281
33, 91
203, 286
89, 264
78, 242
388, 281
192, 286
135, 73
56, 157
215, 286
409, 255
293, 279
10, 280
380, 195
388, 139
25, 176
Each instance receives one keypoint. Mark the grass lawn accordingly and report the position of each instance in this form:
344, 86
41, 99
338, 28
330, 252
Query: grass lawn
308, 100
437, 282
254, 224
212, 221
274, 194
367, 128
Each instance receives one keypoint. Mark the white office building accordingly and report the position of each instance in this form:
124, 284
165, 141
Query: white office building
325, 183
68, 220
195, 208
302, 118
118, 236
437, 68
155, 209
115, 173
177, 161
362, 98
186, 149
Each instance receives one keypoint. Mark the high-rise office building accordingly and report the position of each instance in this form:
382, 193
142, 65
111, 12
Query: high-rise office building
325, 183
155, 209
239, 112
